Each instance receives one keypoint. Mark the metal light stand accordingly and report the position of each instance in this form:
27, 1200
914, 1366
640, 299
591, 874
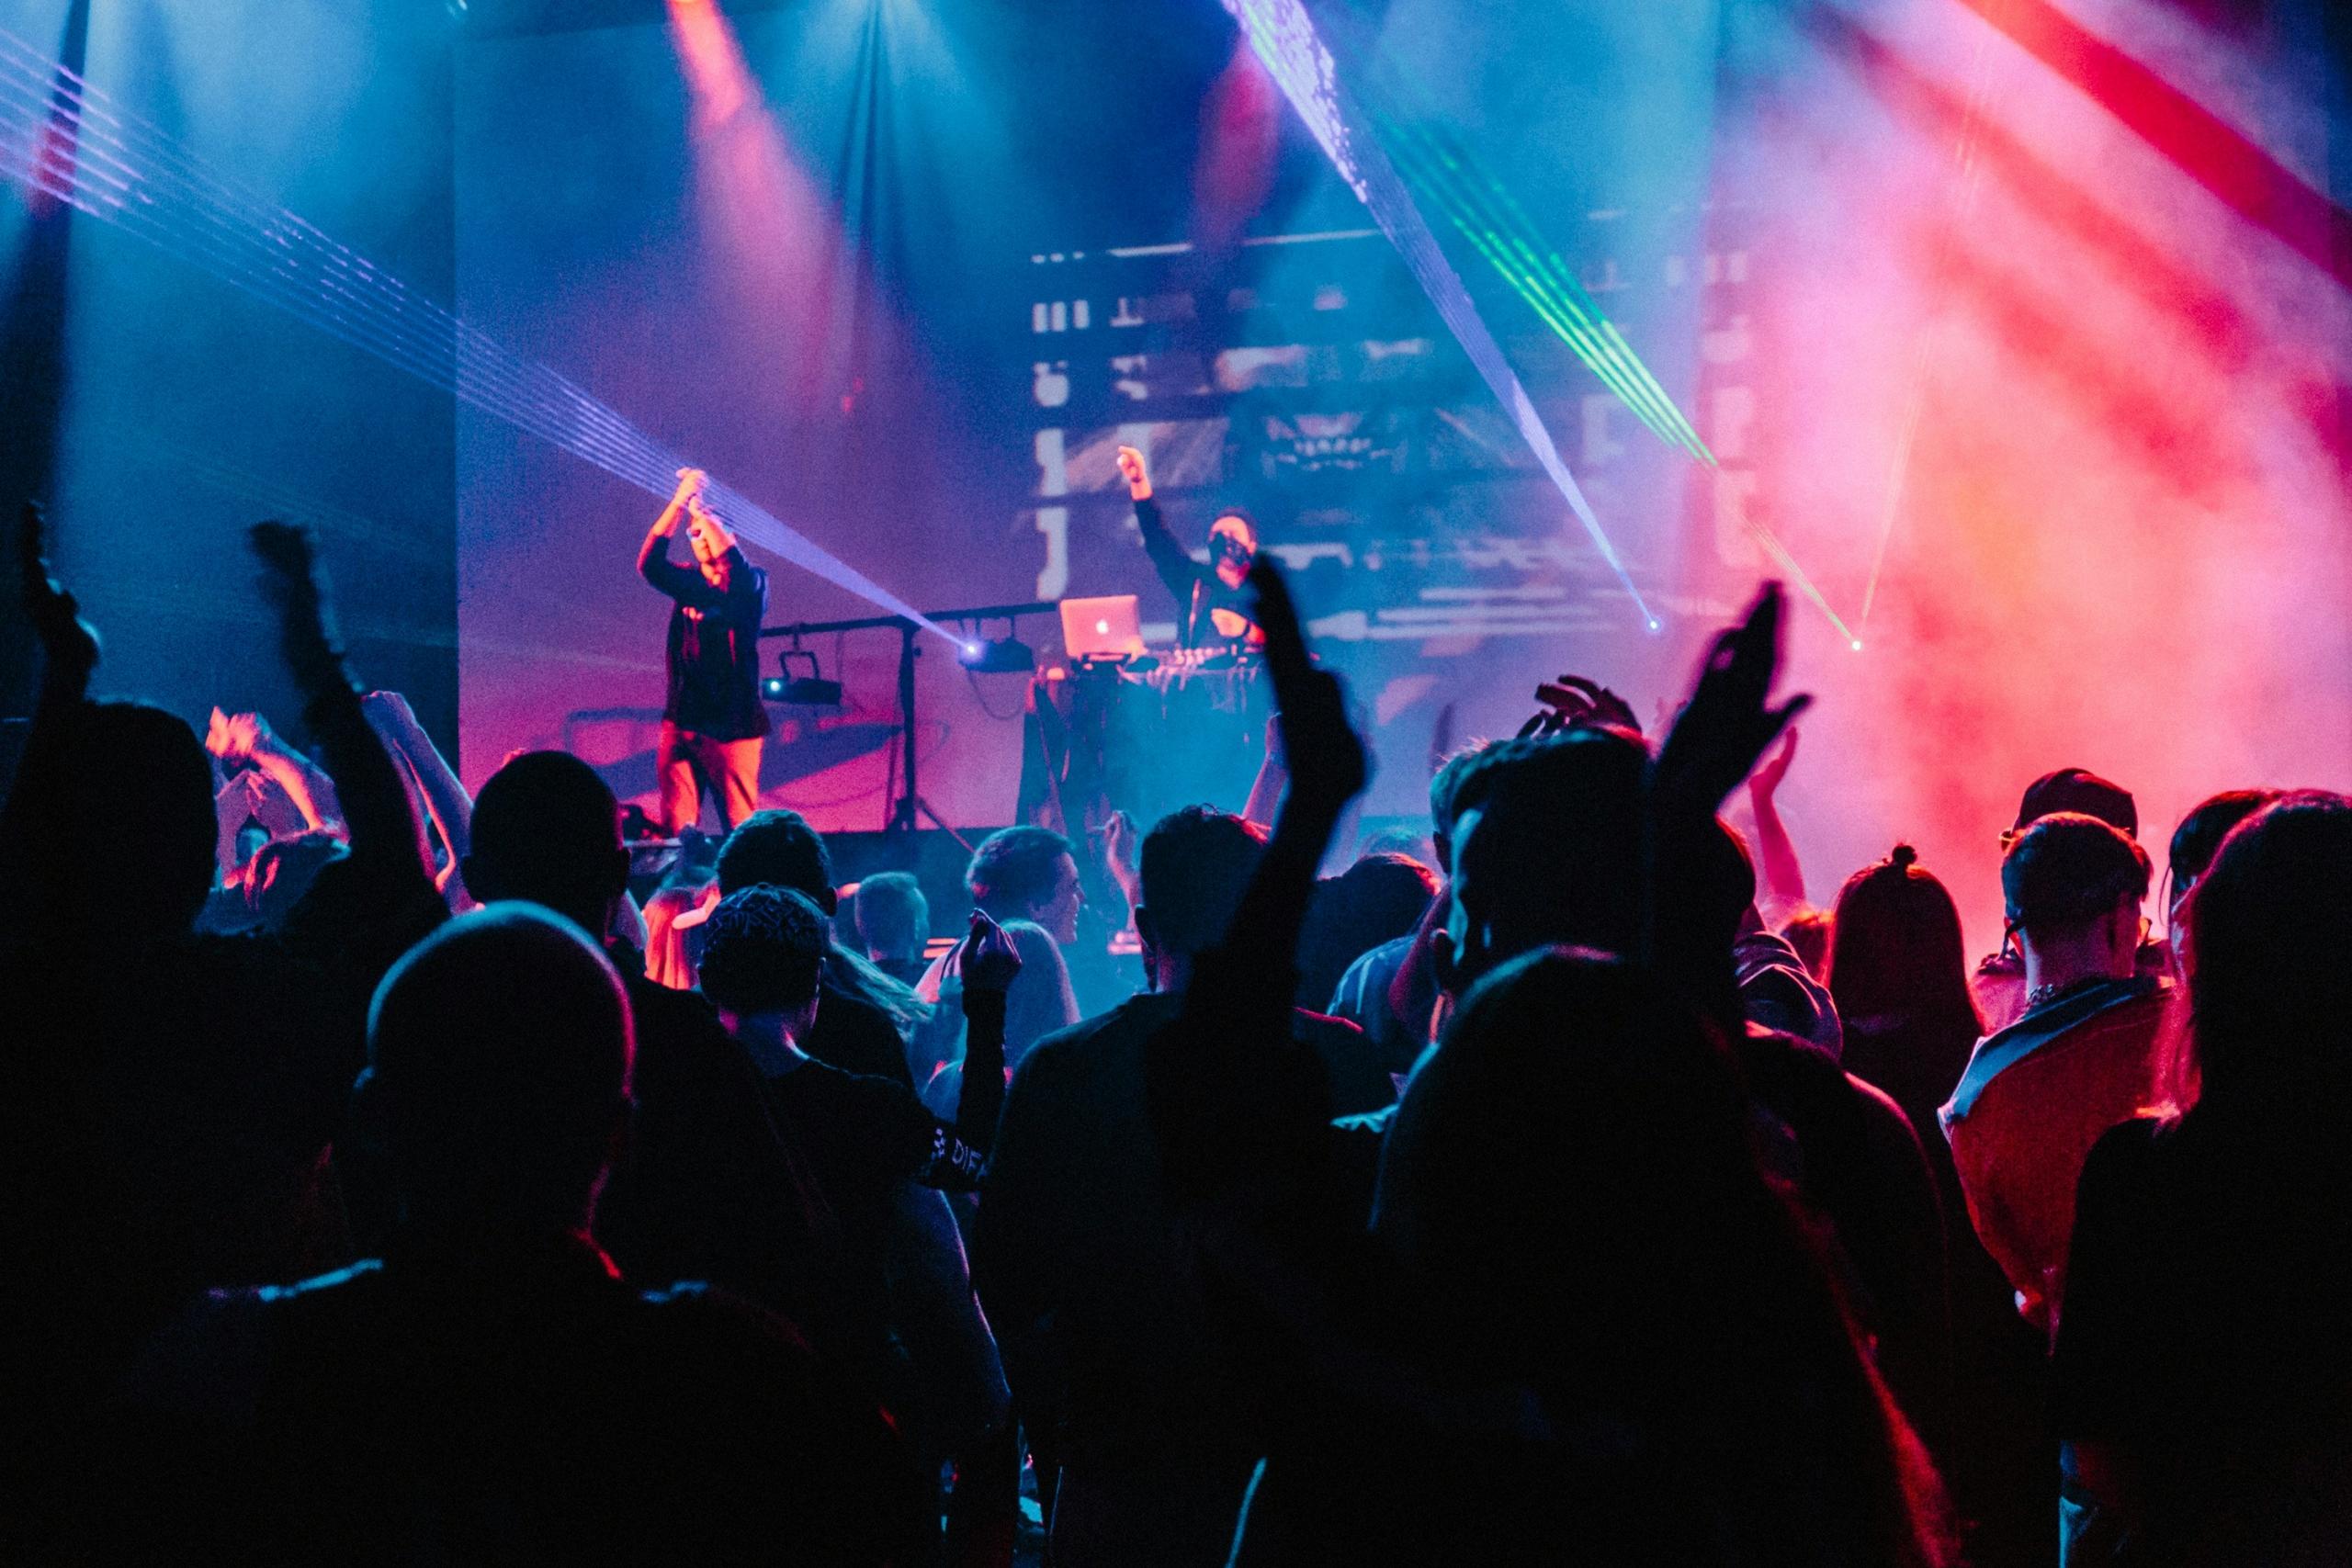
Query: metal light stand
904, 814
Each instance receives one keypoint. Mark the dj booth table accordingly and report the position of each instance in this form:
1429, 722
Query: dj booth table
1147, 737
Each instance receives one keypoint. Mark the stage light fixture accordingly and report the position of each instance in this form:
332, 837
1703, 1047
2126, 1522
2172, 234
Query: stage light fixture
809, 691
998, 656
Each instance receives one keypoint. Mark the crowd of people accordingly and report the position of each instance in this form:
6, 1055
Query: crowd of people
393, 1177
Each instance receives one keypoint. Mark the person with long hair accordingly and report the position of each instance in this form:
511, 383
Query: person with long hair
1898, 972
2203, 1379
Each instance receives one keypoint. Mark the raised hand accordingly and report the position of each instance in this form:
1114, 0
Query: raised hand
292, 584
236, 737
690, 484
389, 710
987, 961
1132, 469
1327, 760
1729, 722
1121, 842
1765, 780
68, 640
1571, 700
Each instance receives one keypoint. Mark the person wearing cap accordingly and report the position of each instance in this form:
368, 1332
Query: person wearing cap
1998, 985
2082, 1058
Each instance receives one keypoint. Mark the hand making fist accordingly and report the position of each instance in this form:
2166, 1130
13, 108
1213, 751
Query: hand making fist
236, 737
987, 961
1131, 468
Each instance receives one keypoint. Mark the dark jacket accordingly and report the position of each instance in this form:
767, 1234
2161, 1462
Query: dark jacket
536, 1409
1197, 588
714, 647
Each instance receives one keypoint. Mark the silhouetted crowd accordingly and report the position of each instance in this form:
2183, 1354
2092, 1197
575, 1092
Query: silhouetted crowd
393, 1176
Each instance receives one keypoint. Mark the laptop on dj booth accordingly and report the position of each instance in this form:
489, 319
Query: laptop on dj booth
1102, 629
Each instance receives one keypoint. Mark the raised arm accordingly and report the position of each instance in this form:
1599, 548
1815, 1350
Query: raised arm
1728, 724
1274, 777
1233, 1095
1783, 878
247, 738
956, 1158
684, 583
387, 858
444, 798
40, 796
988, 964
1177, 568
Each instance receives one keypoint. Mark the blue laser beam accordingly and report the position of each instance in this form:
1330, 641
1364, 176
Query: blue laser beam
1283, 36
126, 173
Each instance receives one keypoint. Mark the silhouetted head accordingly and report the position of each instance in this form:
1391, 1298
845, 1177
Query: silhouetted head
1445, 785
499, 1051
2270, 965
143, 781
1378, 899
893, 916
2079, 791
2199, 837
2075, 880
282, 870
763, 953
1547, 848
1576, 1131
547, 829
1571, 1198
1194, 864
1807, 930
778, 849
1027, 874
1894, 948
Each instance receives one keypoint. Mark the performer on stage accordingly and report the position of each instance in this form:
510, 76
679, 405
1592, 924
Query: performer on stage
713, 723
1212, 606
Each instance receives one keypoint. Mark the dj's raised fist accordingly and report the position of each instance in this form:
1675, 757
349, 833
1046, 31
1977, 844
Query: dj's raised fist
1131, 469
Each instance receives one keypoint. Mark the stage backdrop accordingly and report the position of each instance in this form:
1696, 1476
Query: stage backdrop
909, 285
2015, 331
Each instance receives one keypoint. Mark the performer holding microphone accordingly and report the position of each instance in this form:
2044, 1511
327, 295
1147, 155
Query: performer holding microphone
1212, 606
713, 722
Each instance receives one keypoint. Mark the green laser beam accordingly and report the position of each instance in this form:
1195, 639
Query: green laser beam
1483, 212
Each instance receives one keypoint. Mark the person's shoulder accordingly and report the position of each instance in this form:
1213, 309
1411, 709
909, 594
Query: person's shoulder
214, 1357
845, 1006
1139, 1013
1310, 1025
1034, 942
1092, 1041
699, 1307
1386, 956
2130, 1150
1885, 1124
822, 1077
1776, 1056
2130, 1023
665, 1006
